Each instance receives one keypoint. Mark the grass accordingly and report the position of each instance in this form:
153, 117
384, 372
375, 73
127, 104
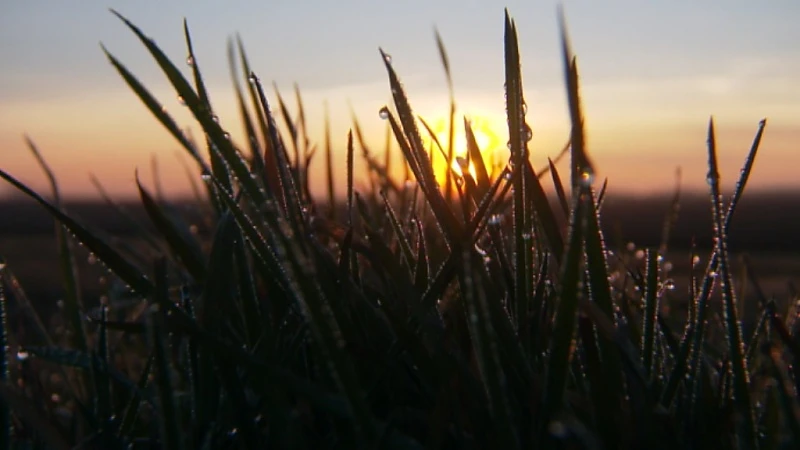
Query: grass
417, 316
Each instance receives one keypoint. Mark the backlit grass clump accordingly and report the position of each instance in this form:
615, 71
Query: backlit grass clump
416, 316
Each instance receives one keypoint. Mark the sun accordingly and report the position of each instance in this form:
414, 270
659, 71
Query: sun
486, 136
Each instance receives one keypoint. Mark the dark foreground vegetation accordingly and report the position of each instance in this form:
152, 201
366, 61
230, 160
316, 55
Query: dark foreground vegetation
477, 314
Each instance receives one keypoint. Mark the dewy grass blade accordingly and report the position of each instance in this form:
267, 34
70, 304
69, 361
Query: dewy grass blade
740, 374
216, 135
651, 296
169, 426
69, 269
190, 255
582, 170
444, 215
484, 340
116, 263
562, 342
257, 163
744, 175
221, 172
451, 118
601, 294
559, 187
517, 132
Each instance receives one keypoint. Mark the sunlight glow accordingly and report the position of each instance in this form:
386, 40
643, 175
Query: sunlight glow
486, 136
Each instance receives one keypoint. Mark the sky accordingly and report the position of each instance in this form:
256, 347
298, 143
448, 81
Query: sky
652, 73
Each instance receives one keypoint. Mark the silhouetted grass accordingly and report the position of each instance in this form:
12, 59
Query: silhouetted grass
479, 314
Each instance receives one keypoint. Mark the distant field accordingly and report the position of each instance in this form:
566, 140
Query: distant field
764, 228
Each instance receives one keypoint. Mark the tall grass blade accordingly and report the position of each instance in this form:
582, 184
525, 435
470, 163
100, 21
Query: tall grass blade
329, 165
169, 426
451, 228
563, 334
740, 374
559, 187
219, 138
651, 297
187, 252
582, 169
517, 133
69, 269
116, 263
610, 387
256, 152
451, 117
484, 340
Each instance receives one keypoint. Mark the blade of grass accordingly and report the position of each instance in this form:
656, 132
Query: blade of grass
188, 253
650, 310
116, 263
485, 342
523, 253
741, 376
69, 270
170, 431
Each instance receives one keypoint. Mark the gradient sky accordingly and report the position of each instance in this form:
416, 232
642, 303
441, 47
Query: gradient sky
651, 72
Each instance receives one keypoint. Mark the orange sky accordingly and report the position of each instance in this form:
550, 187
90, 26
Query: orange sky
648, 88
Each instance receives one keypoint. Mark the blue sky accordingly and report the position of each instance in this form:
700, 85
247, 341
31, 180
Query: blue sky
651, 72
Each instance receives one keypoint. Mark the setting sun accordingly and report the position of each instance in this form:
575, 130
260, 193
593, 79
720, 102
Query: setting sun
487, 136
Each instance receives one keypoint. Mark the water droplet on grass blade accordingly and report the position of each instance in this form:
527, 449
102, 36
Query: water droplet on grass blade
22, 355
190, 61
384, 113
181, 100
387, 57
587, 177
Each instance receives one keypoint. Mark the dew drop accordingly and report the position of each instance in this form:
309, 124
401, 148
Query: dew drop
528, 133
226, 135
507, 175
92, 259
495, 219
384, 113
206, 177
190, 61
22, 355
587, 177
639, 254
181, 100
